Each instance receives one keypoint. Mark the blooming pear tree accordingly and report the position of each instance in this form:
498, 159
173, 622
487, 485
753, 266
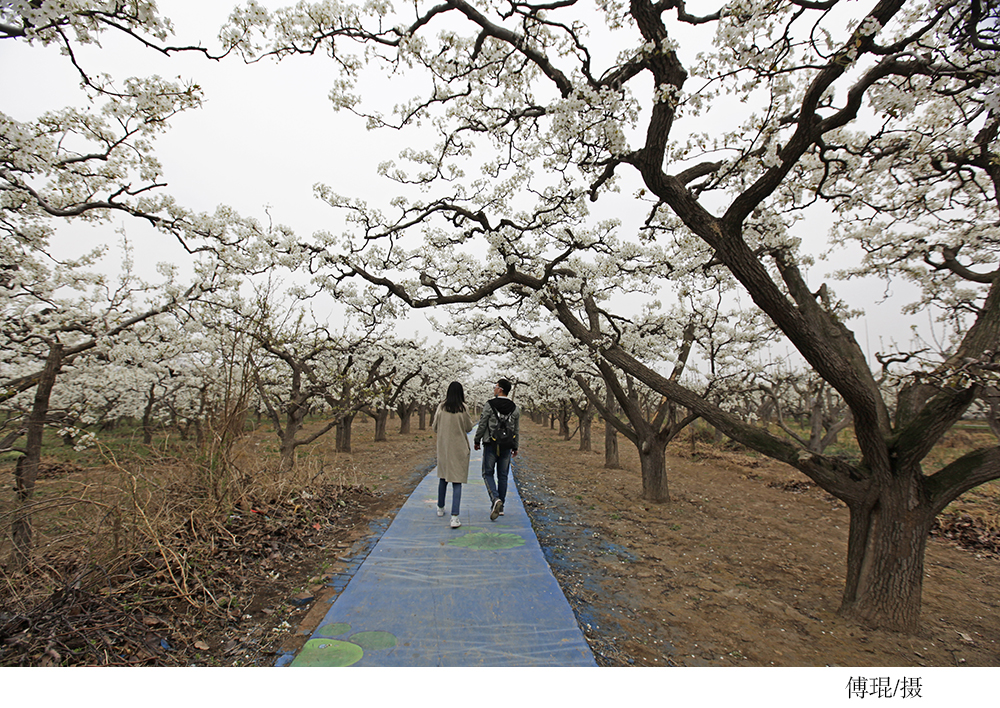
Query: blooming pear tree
92, 162
299, 364
725, 129
53, 316
400, 364
649, 424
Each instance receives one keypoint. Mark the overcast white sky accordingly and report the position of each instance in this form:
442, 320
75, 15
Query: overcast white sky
266, 135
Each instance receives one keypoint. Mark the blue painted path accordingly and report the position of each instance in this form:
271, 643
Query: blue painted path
430, 595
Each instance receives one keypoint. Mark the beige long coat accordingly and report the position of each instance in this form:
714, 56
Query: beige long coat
452, 444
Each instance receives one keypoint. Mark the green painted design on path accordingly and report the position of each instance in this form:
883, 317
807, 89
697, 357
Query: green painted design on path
329, 652
332, 630
484, 541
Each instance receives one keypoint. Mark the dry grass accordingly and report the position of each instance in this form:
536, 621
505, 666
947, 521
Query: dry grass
118, 543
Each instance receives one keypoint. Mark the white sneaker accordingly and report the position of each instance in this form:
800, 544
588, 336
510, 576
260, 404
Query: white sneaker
440, 511
455, 522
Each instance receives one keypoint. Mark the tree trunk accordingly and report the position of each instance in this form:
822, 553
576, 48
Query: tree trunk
26, 470
381, 418
885, 561
653, 463
147, 416
287, 451
422, 417
586, 422
564, 420
405, 412
344, 428
611, 459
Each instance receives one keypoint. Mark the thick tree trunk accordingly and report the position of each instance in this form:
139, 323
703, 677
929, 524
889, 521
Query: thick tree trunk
381, 419
611, 458
26, 470
586, 423
653, 463
287, 451
885, 561
405, 412
344, 428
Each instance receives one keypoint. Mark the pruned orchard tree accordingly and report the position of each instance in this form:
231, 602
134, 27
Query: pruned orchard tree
705, 341
52, 317
300, 365
809, 401
885, 110
648, 420
401, 364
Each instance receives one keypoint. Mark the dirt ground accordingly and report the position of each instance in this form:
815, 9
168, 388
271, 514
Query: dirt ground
744, 567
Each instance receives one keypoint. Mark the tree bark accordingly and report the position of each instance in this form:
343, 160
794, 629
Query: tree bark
147, 416
381, 419
287, 451
344, 429
26, 470
885, 560
586, 423
653, 463
611, 458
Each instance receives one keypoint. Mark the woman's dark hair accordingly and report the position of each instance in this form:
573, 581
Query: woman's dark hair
454, 400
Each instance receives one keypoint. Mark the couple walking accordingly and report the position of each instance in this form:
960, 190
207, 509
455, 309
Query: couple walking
498, 430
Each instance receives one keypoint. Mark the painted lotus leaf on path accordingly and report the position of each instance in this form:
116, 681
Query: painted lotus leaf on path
484, 541
329, 652
334, 629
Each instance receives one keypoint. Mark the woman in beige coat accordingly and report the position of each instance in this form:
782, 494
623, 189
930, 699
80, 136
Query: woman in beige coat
452, 425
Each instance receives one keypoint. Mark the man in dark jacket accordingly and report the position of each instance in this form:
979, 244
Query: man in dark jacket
499, 413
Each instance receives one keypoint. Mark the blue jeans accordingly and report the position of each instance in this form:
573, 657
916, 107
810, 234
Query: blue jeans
496, 457
456, 495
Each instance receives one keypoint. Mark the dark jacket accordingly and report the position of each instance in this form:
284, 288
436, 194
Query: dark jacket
488, 421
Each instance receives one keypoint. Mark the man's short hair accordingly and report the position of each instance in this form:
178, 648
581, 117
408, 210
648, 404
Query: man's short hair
505, 386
